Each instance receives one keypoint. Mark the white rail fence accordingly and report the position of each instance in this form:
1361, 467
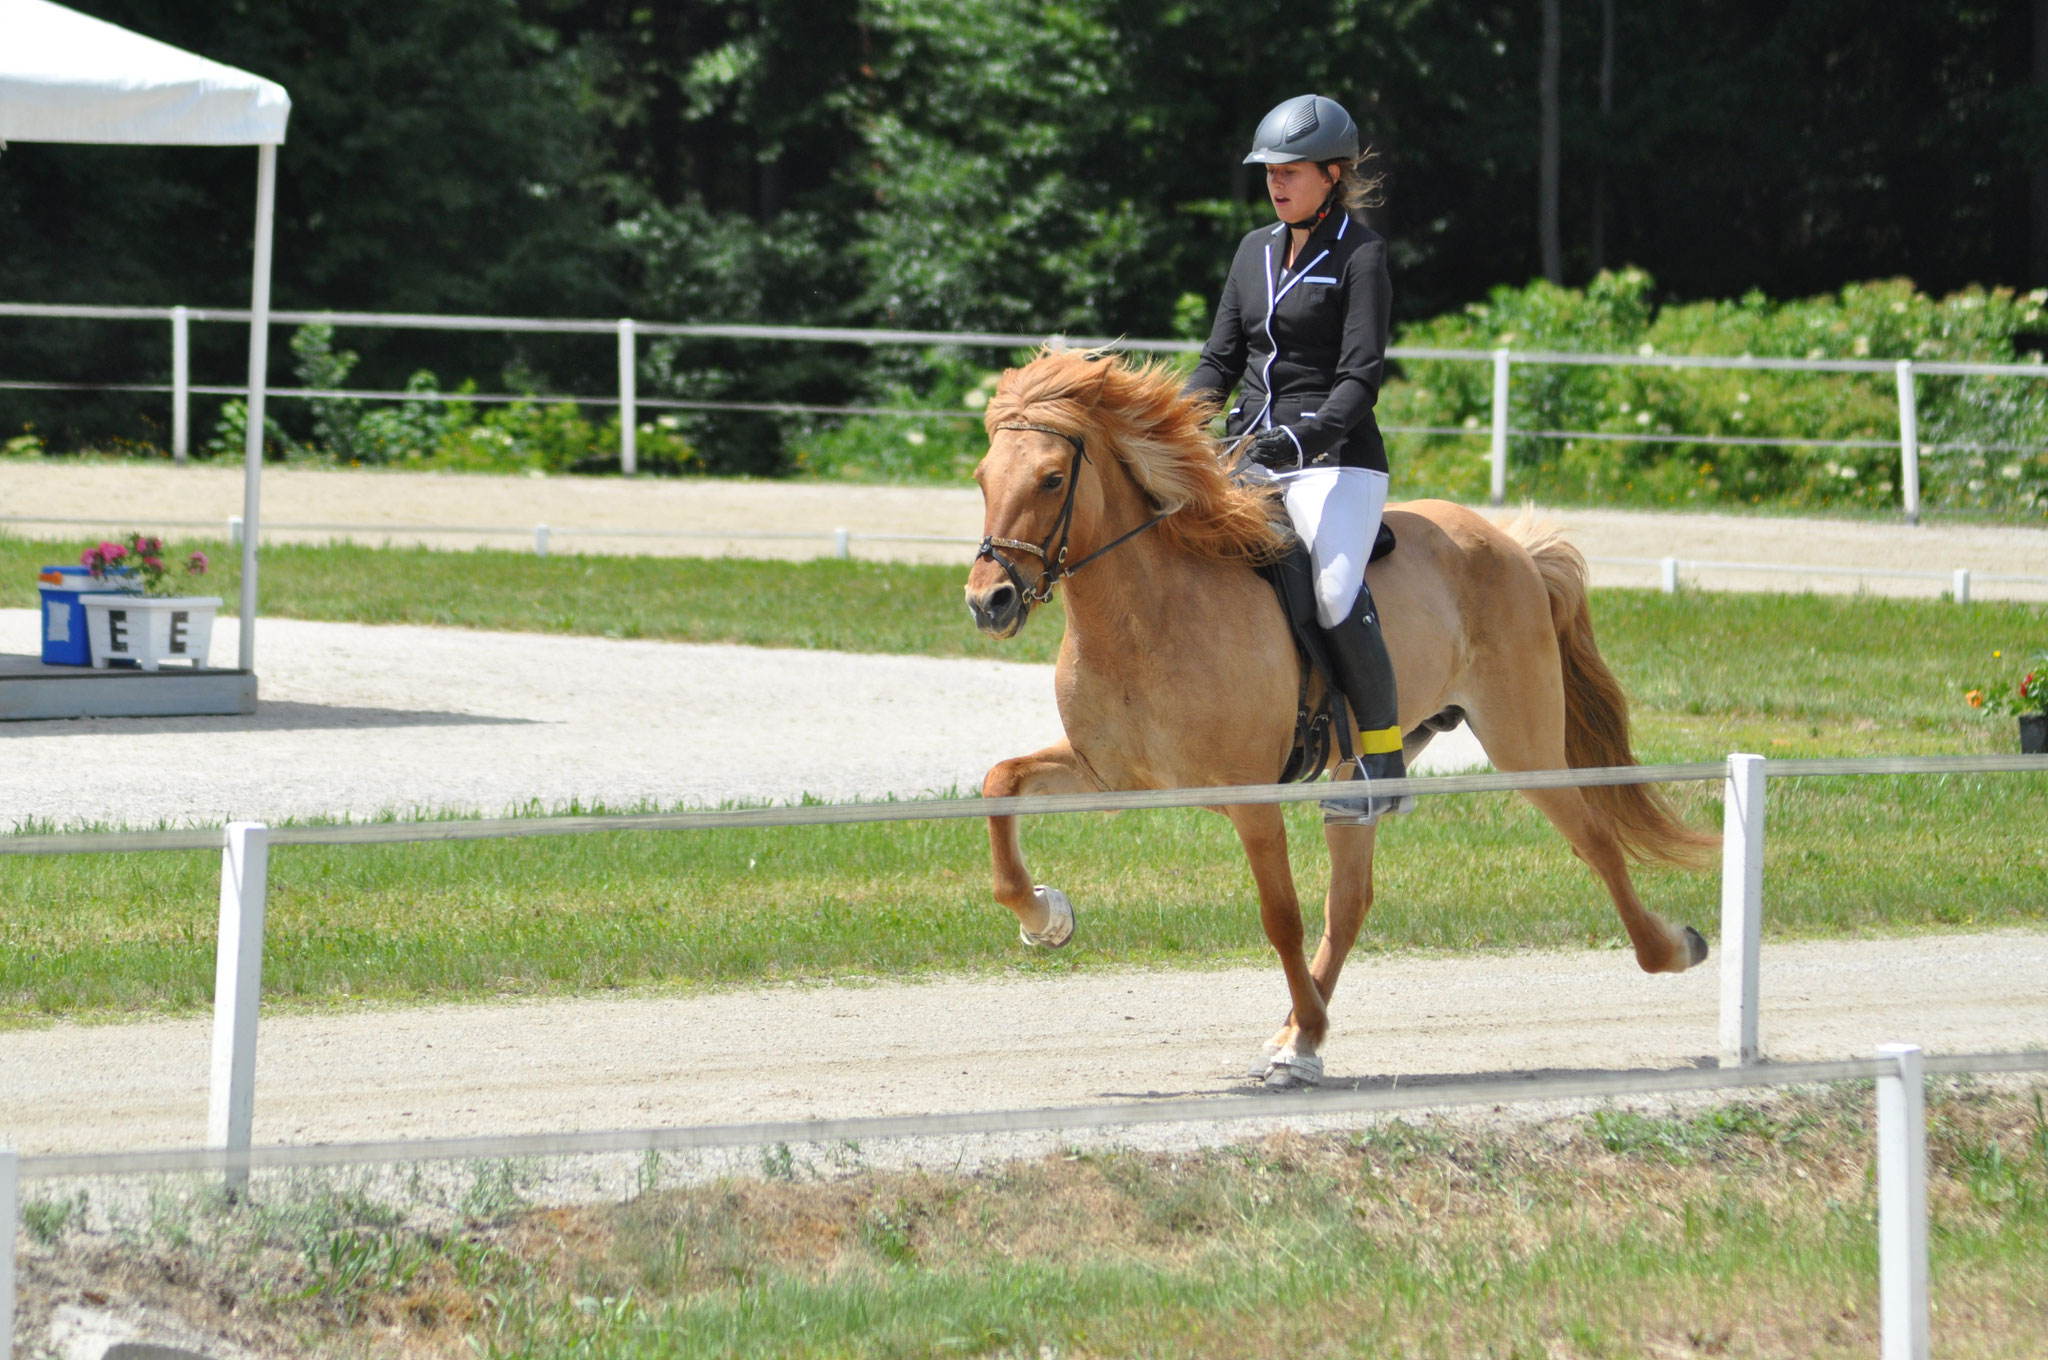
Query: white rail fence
627, 399
245, 850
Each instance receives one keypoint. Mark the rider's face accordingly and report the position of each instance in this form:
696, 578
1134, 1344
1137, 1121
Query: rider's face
1297, 188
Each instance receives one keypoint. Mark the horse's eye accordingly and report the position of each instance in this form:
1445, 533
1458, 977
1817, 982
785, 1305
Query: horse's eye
1052, 482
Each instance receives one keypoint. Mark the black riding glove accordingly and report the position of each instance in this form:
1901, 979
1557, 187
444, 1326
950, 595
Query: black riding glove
1276, 449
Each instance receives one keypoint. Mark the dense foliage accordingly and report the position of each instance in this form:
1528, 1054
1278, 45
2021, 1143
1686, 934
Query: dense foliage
1981, 438
1025, 164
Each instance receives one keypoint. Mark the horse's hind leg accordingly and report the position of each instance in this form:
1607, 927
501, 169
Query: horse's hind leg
1056, 769
1533, 739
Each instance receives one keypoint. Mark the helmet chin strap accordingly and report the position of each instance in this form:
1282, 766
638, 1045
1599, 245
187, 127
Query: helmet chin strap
1315, 219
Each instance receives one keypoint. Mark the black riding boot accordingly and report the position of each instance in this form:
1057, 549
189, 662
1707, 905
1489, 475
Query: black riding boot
1367, 676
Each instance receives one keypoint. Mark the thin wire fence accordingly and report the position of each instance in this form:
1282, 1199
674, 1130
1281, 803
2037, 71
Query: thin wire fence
627, 401
1395, 1098
949, 809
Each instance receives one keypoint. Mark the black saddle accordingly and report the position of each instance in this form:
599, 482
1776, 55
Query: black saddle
1327, 723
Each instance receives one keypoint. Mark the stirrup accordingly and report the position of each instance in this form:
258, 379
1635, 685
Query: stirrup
1366, 807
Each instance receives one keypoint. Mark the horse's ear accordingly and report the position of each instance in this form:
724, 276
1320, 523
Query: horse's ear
1101, 376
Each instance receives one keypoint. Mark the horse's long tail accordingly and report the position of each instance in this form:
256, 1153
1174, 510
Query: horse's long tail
1596, 713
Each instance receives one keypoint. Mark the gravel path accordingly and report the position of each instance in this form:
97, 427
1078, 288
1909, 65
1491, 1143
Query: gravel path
576, 508
847, 1050
361, 719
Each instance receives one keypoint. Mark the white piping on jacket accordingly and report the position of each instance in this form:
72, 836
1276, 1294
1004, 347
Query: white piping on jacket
1272, 346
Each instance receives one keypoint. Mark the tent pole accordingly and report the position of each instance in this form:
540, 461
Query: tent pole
259, 380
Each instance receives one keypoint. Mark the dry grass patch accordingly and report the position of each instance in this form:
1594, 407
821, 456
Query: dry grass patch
1738, 1229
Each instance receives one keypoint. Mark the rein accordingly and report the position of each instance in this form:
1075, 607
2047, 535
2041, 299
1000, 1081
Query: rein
1055, 561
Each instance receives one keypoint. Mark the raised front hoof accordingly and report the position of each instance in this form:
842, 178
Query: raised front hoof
1263, 1061
1695, 948
1059, 926
1294, 1072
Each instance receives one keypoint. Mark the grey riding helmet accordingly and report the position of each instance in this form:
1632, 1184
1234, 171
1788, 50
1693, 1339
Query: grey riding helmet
1305, 128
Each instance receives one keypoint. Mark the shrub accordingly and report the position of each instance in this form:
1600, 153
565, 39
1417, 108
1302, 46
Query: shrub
908, 448
1981, 437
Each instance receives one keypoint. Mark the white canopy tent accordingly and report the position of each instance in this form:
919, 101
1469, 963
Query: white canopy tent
67, 77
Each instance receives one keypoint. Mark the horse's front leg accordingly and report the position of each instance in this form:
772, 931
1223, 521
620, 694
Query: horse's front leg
1044, 916
1264, 832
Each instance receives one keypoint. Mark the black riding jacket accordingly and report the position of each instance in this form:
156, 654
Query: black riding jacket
1307, 346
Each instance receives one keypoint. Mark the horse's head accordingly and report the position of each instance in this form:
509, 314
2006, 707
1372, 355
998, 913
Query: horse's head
1086, 452
1035, 491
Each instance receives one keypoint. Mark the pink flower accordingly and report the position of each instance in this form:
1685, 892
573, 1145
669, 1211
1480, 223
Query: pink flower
153, 563
197, 564
112, 552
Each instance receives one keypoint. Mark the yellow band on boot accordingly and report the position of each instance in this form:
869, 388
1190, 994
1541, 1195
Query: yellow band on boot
1379, 743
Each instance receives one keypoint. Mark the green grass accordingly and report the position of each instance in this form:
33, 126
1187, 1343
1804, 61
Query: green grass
1824, 657
101, 936
848, 606
112, 935
1745, 1229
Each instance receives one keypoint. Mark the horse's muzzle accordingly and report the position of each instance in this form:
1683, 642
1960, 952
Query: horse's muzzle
999, 610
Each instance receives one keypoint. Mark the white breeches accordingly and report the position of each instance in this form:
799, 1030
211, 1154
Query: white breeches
1336, 511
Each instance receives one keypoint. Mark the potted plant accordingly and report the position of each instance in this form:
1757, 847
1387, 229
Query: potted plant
2026, 699
143, 623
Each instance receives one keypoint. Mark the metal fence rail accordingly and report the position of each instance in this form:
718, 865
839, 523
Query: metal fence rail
627, 331
399, 832
1425, 1095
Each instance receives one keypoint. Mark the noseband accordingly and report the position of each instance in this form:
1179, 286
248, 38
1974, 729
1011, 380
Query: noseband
1055, 559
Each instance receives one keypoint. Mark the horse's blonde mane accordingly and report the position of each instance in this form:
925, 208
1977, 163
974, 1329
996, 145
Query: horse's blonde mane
1162, 441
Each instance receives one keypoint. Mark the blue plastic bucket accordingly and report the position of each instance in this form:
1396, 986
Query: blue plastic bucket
64, 637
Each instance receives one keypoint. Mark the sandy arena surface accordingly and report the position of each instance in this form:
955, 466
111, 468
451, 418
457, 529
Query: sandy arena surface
1001, 1043
360, 719
579, 510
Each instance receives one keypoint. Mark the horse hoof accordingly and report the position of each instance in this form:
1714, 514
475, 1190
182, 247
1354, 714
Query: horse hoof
1695, 948
1059, 929
1293, 1071
1263, 1061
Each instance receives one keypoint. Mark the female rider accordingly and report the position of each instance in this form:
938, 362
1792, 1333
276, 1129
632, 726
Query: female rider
1302, 332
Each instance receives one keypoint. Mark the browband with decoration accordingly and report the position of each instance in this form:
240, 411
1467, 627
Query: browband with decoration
1073, 439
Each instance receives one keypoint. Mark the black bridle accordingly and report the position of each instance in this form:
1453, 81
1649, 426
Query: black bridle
1055, 560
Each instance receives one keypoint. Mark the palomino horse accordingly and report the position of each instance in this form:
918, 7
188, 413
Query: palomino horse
1178, 670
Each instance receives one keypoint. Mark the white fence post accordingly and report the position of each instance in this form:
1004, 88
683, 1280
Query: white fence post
1909, 443
1960, 591
235, 530
1742, 904
181, 388
1499, 492
540, 540
1669, 568
237, 985
629, 417
842, 543
10, 1214
1902, 1206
